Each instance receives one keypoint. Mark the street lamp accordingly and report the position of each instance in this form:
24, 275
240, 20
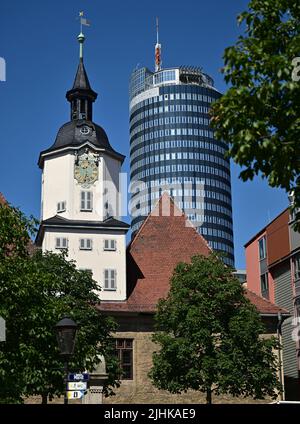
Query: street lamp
66, 330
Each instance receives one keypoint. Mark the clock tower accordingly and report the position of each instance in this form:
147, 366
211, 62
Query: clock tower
80, 205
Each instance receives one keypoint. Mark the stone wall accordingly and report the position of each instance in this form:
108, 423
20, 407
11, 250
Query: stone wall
140, 390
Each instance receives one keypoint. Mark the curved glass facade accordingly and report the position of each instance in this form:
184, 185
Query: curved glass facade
172, 148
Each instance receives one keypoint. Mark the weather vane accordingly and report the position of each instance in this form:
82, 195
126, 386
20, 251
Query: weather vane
83, 21
81, 38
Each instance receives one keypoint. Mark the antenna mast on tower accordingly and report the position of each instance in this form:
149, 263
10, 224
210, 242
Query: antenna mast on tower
157, 50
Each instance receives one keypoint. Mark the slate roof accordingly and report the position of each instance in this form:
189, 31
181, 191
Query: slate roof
81, 79
69, 135
158, 246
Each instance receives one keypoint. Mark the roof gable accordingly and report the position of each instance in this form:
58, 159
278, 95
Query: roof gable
165, 239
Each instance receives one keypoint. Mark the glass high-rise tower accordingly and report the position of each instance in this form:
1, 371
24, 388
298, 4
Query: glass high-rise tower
173, 148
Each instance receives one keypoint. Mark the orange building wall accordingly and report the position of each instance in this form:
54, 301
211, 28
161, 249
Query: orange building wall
278, 244
253, 268
252, 265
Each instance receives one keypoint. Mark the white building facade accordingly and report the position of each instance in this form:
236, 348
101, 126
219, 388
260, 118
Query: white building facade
80, 204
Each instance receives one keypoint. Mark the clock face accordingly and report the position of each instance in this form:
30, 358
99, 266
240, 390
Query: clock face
85, 130
86, 169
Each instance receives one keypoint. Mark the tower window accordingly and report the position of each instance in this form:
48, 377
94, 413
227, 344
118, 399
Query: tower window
86, 203
61, 243
61, 207
110, 282
110, 244
85, 244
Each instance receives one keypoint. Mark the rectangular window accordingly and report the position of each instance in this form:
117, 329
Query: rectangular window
124, 353
110, 244
262, 248
87, 270
86, 203
85, 244
264, 286
296, 262
61, 207
110, 282
61, 243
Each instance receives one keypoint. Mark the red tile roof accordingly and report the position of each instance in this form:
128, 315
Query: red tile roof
165, 238
264, 306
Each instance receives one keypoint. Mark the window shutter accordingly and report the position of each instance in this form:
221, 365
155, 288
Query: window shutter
88, 200
106, 279
112, 279
82, 200
57, 242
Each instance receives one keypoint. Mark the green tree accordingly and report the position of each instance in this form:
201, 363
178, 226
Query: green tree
36, 291
259, 115
209, 336
15, 232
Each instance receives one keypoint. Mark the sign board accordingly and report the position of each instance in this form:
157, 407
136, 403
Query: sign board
76, 394
77, 385
79, 377
2, 330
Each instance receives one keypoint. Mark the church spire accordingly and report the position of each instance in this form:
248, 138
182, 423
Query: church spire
81, 96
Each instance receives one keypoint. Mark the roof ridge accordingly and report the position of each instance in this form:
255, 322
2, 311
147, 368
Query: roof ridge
183, 214
143, 224
191, 224
165, 193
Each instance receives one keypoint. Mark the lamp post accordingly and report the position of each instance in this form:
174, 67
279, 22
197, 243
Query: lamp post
66, 330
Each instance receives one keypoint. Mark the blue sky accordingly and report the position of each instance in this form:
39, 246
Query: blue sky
38, 42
